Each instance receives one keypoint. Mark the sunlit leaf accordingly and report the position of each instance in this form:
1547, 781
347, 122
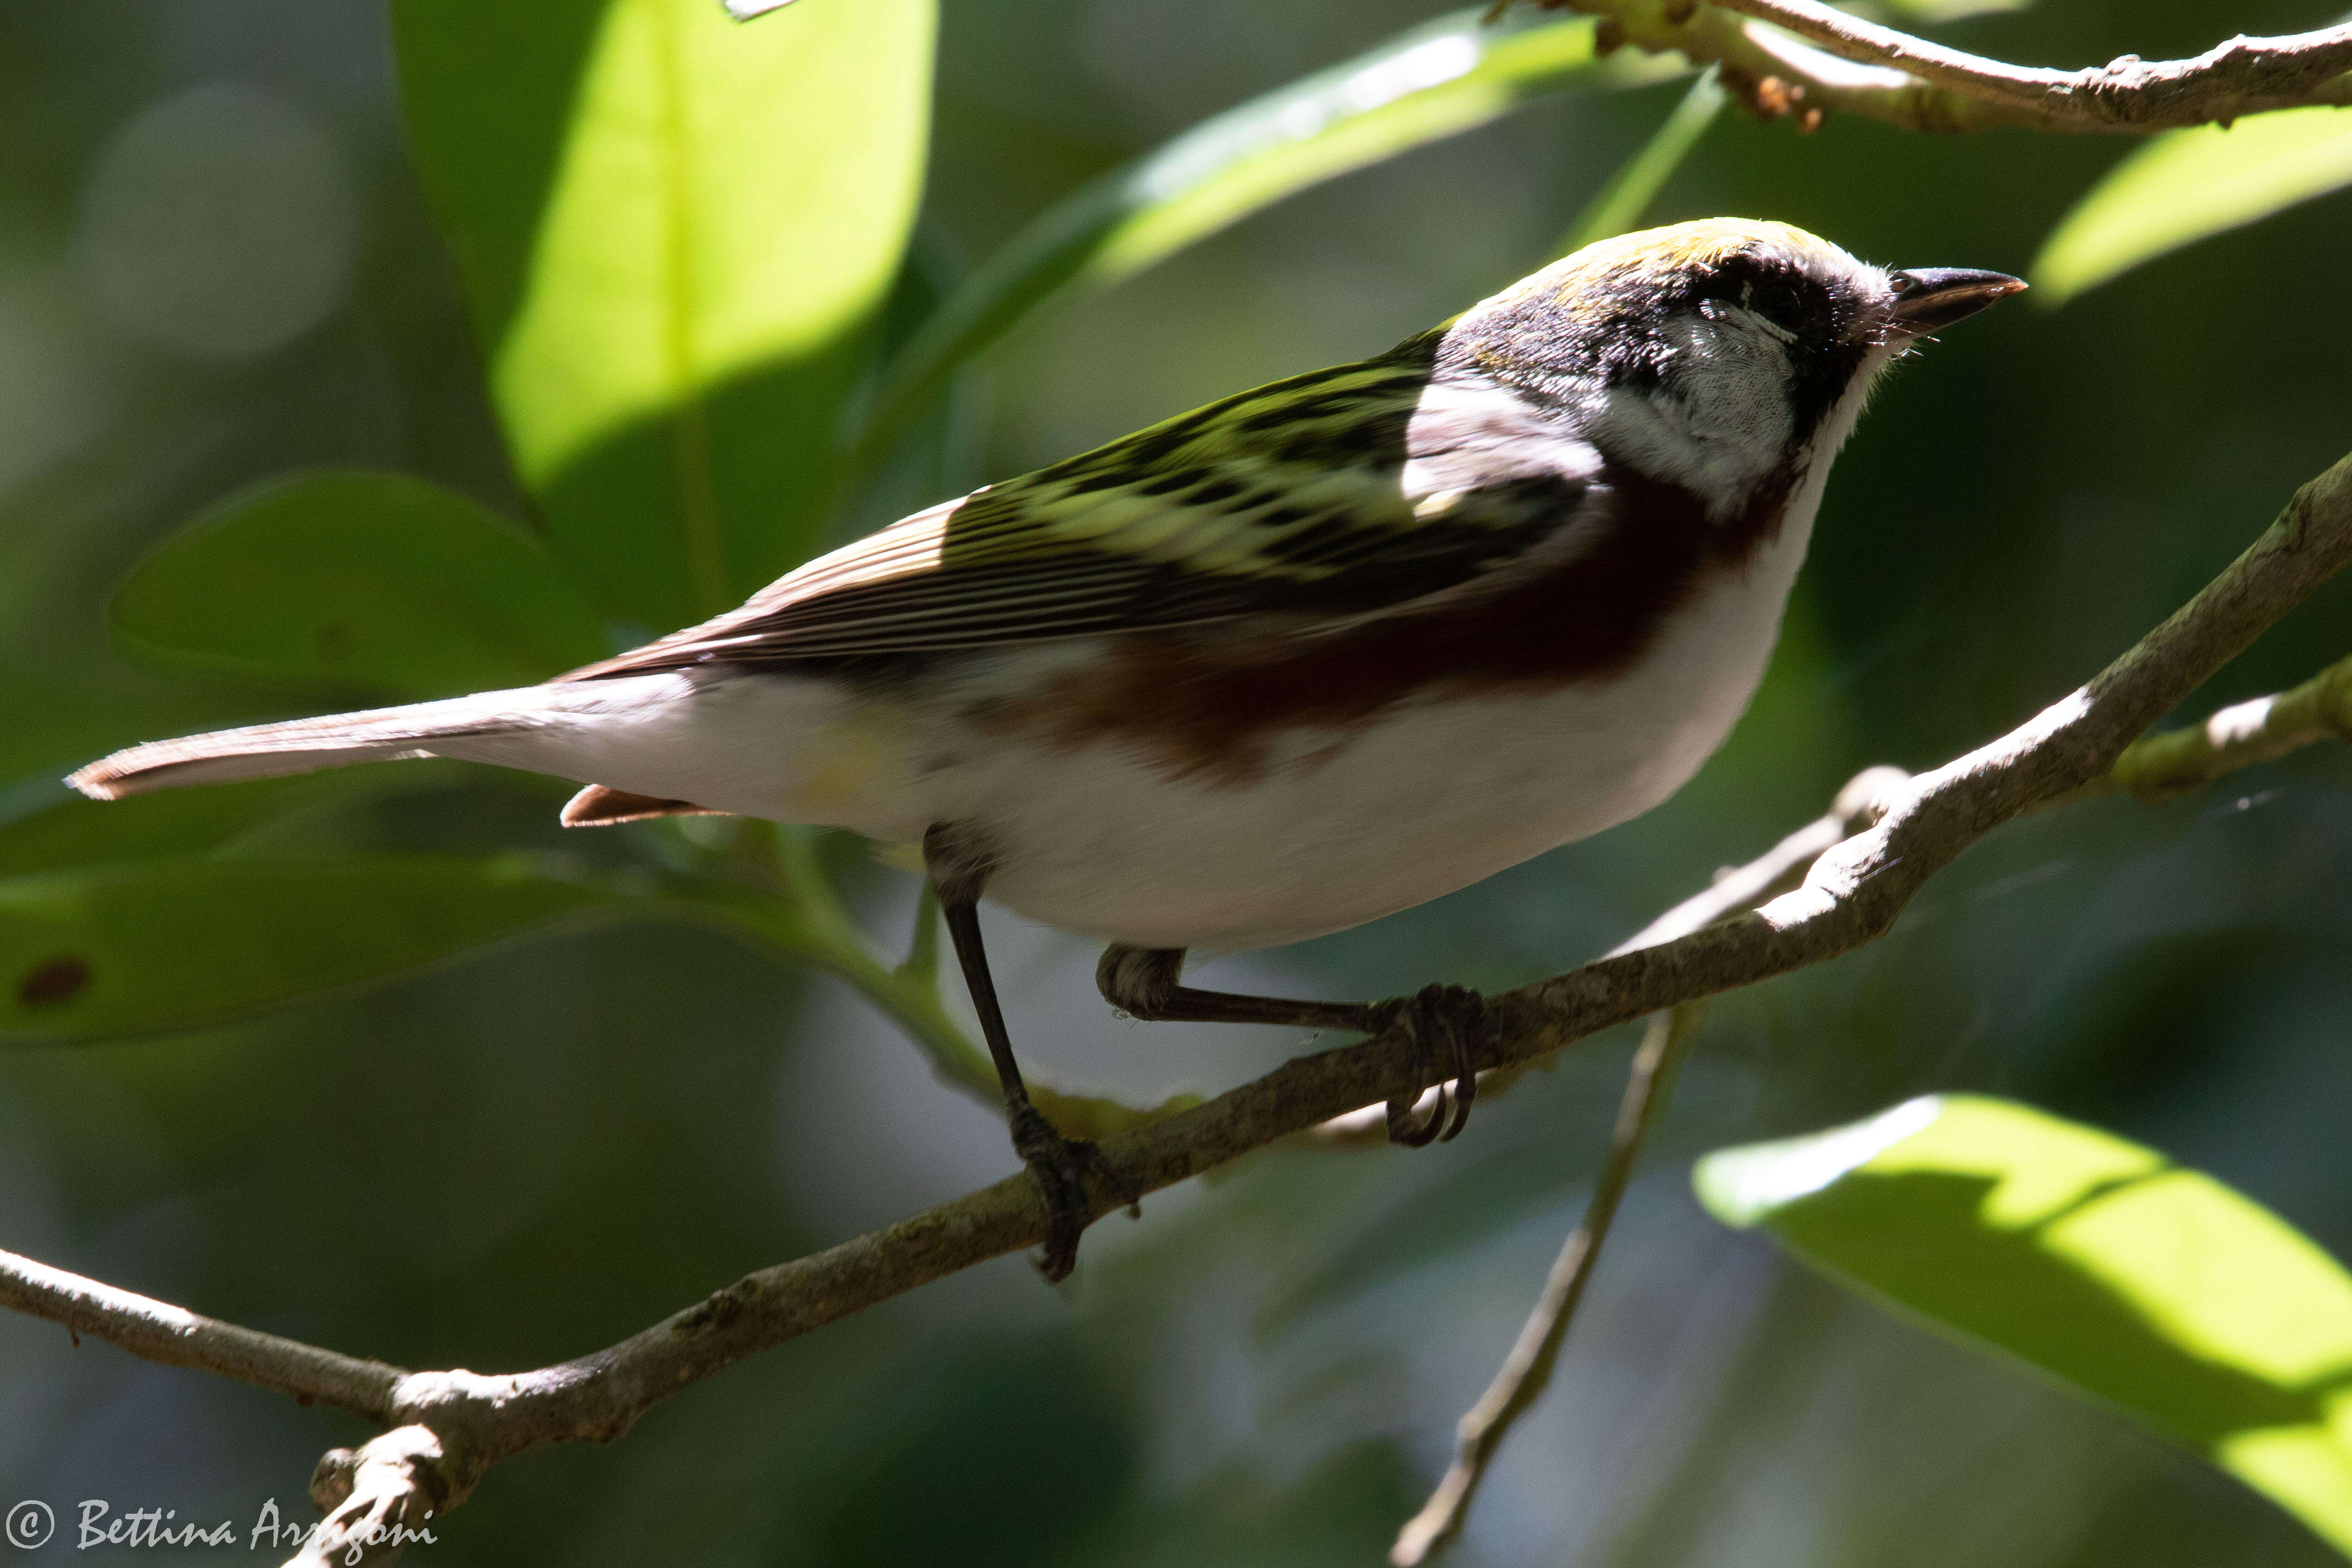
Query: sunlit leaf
1437, 80
138, 950
674, 232
2185, 185
2159, 1290
380, 581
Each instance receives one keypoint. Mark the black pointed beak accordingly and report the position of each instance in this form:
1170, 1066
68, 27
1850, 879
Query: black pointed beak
1926, 298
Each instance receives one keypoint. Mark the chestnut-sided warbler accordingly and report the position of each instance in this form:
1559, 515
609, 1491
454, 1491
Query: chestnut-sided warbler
1287, 663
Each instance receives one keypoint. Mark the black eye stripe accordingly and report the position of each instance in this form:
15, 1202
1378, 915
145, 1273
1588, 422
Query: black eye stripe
1789, 297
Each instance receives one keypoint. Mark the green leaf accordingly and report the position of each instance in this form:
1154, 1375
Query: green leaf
674, 234
54, 719
127, 951
379, 580
58, 831
2185, 185
2156, 1289
1448, 76
74, 834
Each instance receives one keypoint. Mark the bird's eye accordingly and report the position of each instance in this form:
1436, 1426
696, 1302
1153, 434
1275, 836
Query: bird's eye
1780, 304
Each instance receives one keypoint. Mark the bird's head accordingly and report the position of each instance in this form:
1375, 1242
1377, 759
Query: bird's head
1716, 355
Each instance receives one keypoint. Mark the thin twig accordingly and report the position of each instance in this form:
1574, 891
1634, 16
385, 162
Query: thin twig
1859, 805
1851, 896
1528, 1368
1739, 888
159, 1331
1800, 59
2155, 769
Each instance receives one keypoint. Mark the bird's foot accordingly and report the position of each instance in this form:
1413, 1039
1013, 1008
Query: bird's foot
1448, 1024
1060, 1166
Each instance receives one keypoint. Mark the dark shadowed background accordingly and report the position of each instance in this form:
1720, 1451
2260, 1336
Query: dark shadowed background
215, 264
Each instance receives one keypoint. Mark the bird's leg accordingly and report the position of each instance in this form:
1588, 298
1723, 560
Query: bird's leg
1447, 1024
959, 871
1141, 983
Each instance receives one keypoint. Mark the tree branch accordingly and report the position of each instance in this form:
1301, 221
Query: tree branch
2155, 768
1527, 1369
1851, 895
2164, 767
1770, 58
159, 1331
378, 1498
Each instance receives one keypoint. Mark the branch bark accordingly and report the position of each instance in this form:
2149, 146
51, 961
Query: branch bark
1799, 58
1851, 895
2154, 768
159, 1331
2164, 767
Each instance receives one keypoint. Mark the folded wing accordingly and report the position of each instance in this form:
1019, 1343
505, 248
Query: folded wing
1347, 491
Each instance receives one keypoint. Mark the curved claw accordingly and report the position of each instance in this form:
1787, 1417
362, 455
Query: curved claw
1417, 1133
1060, 1165
1460, 1017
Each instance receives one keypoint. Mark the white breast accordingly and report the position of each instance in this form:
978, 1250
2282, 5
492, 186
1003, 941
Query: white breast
1346, 826
1341, 827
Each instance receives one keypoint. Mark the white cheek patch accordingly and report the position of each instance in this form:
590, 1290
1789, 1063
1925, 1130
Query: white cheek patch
1722, 421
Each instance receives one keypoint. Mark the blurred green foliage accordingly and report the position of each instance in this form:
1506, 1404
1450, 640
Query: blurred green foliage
1429, 82
378, 583
1618, 206
2159, 1290
155, 945
2186, 185
638, 308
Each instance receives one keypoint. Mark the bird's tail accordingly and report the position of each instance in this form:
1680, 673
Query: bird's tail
305, 745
